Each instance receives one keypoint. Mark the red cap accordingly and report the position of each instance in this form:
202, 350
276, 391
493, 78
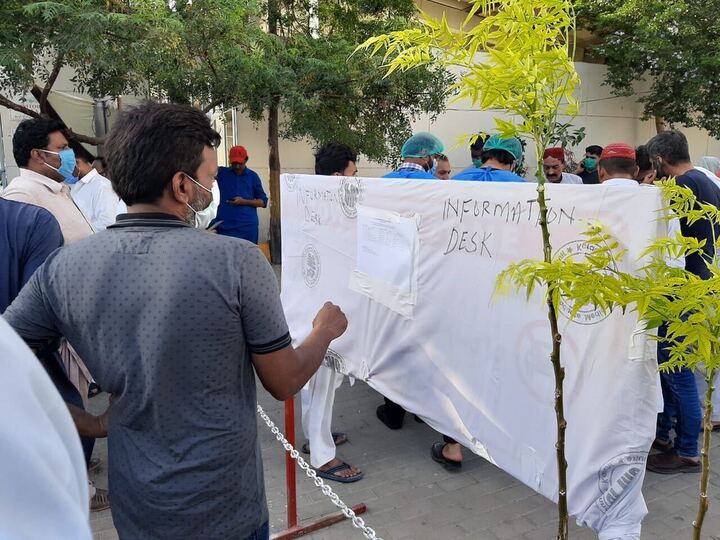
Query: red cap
238, 154
618, 150
557, 153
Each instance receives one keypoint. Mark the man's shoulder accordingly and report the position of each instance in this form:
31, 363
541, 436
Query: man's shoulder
20, 189
570, 178
20, 212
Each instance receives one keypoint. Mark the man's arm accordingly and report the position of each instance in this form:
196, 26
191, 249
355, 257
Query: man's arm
239, 201
89, 425
45, 237
30, 314
259, 192
283, 373
282, 369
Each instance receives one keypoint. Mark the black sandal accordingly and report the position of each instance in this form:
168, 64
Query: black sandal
436, 451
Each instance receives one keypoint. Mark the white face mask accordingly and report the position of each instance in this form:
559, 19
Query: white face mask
194, 210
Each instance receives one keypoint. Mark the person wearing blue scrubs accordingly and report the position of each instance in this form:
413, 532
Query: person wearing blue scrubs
241, 194
499, 158
417, 154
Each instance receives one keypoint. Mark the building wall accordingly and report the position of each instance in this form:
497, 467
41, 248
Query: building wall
606, 118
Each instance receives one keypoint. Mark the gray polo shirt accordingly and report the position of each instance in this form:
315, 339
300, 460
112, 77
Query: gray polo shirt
166, 316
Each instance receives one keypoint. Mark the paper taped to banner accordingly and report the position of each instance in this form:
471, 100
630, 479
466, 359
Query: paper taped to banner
413, 265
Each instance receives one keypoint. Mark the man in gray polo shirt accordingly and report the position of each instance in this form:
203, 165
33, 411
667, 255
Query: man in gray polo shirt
172, 320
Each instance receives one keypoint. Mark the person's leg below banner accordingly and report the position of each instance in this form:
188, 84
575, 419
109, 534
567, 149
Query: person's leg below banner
681, 389
318, 398
391, 414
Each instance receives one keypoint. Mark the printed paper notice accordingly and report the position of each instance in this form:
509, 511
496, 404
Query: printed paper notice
386, 247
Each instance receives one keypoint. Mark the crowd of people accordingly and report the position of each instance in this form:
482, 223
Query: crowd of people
110, 276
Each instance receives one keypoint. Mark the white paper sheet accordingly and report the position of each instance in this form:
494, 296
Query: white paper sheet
386, 246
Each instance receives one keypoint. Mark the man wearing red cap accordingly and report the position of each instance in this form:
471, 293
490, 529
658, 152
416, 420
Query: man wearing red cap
241, 194
618, 166
554, 168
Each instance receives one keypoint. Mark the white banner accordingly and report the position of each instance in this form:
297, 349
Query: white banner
413, 265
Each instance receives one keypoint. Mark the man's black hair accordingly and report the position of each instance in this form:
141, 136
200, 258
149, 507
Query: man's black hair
479, 142
618, 165
642, 158
33, 133
82, 153
503, 156
148, 144
671, 146
102, 161
334, 158
594, 149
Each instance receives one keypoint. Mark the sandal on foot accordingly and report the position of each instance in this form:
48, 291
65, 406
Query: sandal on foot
100, 501
436, 451
330, 474
338, 438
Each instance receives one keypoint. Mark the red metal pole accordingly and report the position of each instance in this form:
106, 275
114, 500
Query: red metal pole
290, 464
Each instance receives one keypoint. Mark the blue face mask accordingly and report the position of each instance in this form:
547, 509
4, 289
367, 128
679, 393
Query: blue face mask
72, 180
67, 163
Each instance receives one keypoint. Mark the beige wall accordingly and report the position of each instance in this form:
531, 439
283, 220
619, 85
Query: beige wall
606, 118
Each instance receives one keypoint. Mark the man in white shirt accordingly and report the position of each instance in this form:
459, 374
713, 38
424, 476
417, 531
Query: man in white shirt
43, 492
617, 166
554, 168
94, 195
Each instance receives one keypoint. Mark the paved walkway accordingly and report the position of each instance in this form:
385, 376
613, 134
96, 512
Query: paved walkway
411, 497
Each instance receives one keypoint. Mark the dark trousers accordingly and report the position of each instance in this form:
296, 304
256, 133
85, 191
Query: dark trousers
681, 402
394, 413
53, 366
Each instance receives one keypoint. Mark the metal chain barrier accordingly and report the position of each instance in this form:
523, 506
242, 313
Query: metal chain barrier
357, 521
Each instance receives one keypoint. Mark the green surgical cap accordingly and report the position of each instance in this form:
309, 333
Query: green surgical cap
511, 145
422, 145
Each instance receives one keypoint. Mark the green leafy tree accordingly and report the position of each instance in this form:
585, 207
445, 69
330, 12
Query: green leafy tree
327, 95
689, 305
38, 39
263, 57
672, 45
526, 70
273, 61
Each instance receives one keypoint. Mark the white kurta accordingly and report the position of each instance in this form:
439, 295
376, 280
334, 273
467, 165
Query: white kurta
94, 195
44, 490
318, 398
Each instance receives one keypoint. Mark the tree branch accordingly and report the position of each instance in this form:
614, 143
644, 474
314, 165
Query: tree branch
212, 105
51, 81
79, 137
5, 102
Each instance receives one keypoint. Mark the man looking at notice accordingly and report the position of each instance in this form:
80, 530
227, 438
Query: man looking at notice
175, 324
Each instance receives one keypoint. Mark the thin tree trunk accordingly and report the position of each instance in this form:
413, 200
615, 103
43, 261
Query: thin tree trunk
704, 503
558, 369
50, 112
274, 165
274, 153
